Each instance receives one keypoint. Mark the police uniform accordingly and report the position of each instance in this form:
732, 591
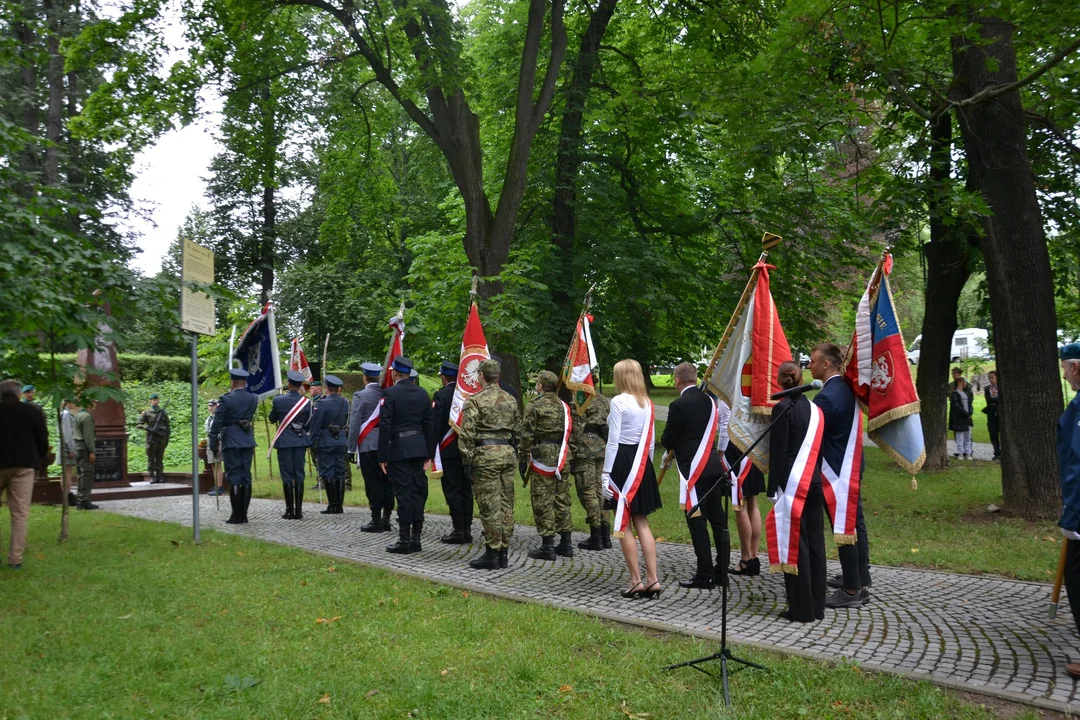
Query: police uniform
292, 445
588, 440
316, 394
490, 422
155, 421
542, 432
329, 433
456, 487
377, 487
232, 438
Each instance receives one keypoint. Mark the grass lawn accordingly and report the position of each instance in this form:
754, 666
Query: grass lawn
130, 620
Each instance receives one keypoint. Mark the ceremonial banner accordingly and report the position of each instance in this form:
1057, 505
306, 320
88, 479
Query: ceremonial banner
298, 361
257, 352
579, 363
878, 373
743, 368
397, 324
474, 350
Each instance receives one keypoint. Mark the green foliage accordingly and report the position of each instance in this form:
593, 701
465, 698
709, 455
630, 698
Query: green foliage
145, 368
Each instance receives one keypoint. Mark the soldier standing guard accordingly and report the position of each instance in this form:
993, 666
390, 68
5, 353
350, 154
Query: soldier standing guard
364, 439
292, 412
155, 421
545, 437
85, 457
587, 443
457, 488
232, 438
405, 427
490, 421
329, 431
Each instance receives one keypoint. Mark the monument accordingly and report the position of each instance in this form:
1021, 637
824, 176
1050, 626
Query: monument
99, 367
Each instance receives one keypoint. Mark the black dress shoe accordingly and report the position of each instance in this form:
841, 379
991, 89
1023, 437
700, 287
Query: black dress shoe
451, 538
700, 583
87, 506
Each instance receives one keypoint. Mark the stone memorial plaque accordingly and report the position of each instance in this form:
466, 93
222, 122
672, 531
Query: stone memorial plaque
110, 460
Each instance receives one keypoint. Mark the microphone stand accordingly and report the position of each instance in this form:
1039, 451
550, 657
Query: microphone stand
724, 655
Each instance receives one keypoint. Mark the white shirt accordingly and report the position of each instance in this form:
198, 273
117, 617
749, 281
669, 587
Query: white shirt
626, 423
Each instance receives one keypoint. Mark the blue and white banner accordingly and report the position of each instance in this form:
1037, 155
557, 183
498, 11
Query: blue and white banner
258, 353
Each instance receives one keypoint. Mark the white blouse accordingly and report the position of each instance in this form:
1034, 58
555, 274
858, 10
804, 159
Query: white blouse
626, 423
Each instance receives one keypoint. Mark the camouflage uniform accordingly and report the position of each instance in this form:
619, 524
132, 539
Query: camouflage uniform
541, 437
491, 414
155, 421
588, 441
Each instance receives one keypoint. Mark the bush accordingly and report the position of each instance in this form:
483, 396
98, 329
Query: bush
149, 368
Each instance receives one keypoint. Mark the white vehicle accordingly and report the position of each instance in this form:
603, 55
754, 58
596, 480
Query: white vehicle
966, 343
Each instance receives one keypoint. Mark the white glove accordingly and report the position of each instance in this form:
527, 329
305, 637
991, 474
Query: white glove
666, 460
605, 489
1070, 534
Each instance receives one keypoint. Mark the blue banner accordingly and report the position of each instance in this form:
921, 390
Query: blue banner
257, 353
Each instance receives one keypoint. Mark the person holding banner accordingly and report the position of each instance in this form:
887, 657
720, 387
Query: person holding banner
588, 438
364, 438
542, 458
629, 480
456, 487
292, 412
691, 431
795, 525
232, 438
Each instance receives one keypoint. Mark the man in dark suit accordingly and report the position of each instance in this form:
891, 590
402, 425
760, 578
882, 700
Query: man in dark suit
838, 403
292, 444
456, 486
404, 446
689, 419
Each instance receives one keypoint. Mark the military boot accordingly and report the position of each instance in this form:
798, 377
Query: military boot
234, 518
331, 500
298, 489
404, 543
488, 561
245, 501
546, 551
340, 497
290, 513
386, 519
454, 536
565, 548
376, 522
504, 558
605, 535
414, 539
594, 542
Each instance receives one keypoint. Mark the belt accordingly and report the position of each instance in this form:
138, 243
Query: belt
408, 433
595, 429
492, 441
549, 442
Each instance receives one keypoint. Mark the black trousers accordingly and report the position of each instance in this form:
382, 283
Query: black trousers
995, 437
377, 486
410, 488
712, 514
855, 559
458, 492
1072, 579
806, 591
238, 466
291, 464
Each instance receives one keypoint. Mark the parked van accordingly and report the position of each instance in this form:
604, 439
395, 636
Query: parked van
966, 343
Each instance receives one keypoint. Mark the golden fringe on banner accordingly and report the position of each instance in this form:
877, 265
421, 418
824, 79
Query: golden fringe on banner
844, 539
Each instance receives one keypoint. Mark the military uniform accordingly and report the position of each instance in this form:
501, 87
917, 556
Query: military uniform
542, 433
456, 487
292, 445
232, 438
490, 421
404, 439
329, 433
377, 487
155, 421
588, 440
85, 442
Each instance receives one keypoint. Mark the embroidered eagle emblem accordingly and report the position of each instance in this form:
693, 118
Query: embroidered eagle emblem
881, 373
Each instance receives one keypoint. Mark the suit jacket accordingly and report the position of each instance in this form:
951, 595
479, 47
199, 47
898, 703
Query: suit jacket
330, 410
785, 440
234, 407
404, 423
26, 439
440, 422
290, 438
959, 418
837, 402
364, 403
688, 419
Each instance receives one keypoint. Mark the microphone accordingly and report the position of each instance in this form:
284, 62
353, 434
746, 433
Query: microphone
816, 385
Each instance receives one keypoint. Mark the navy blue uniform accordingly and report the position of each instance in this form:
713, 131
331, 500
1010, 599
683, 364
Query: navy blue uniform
330, 434
293, 443
404, 444
455, 485
1068, 457
232, 435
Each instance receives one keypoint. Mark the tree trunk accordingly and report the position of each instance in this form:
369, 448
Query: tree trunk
24, 33
1017, 270
268, 232
54, 115
947, 269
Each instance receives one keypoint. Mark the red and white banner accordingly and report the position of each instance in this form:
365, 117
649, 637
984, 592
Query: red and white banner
625, 495
474, 350
842, 484
688, 496
397, 347
298, 362
564, 450
579, 363
782, 524
296, 410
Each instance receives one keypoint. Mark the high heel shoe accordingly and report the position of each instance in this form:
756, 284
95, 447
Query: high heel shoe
633, 592
749, 567
652, 592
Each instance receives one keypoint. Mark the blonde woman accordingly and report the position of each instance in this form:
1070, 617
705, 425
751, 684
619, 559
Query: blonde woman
629, 480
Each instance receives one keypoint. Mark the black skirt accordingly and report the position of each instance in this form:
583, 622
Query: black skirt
755, 480
647, 498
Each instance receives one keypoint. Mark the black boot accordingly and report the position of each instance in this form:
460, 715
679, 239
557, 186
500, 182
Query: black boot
340, 497
605, 535
298, 489
566, 545
454, 536
488, 561
245, 501
546, 551
401, 547
504, 558
376, 522
594, 542
331, 499
290, 513
234, 518
386, 519
466, 528
414, 539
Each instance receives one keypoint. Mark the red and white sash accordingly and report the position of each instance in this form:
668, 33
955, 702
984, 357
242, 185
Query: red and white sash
296, 410
368, 425
625, 495
782, 524
437, 461
564, 450
737, 478
842, 489
688, 496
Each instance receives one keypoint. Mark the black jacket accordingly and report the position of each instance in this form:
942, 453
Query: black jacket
688, 419
959, 419
404, 423
785, 439
440, 422
26, 441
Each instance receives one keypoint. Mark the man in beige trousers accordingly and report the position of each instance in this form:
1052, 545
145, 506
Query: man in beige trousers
23, 449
